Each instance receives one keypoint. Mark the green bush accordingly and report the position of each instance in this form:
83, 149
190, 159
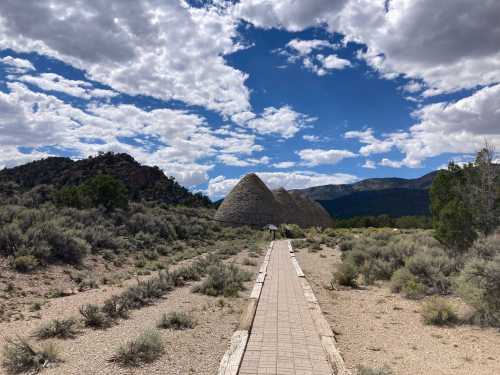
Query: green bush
25, 263
291, 231
346, 274
20, 356
438, 311
144, 349
414, 289
106, 191
176, 320
433, 268
400, 278
11, 239
62, 329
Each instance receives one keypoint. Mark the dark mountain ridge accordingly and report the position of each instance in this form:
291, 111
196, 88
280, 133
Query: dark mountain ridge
330, 192
392, 202
391, 196
142, 182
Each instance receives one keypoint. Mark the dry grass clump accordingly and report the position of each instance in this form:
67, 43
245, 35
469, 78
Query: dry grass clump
438, 311
116, 307
93, 317
144, 349
20, 356
59, 328
249, 262
176, 320
226, 280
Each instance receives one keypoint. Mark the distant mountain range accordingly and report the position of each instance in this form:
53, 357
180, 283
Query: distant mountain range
142, 182
375, 196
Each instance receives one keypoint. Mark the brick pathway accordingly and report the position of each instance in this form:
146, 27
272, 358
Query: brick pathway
284, 340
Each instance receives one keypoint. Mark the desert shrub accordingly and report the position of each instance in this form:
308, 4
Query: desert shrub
226, 280
60, 328
176, 320
414, 289
87, 283
186, 273
116, 307
346, 244
65, 245
140, 261
346, 274
55, 293
362, 370
400, 278
432, 267
299, 244
376, 269
100, 237
379, 254
144, 349
93, 317
145, 292
291, 231
25, 263
20, 356
479, 286
315, 246
163, 249
11, 239
438, 311
485, 248
151, 255
69, 248
249, 262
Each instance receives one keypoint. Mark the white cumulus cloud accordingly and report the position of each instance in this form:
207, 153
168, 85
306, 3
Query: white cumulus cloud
166, 49
313, 157
283, 121
16, 65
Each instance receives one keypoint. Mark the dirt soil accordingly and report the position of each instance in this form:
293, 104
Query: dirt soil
194, 351
376, 328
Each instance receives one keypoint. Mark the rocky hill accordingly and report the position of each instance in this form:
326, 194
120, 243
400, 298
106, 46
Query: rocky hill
142, 182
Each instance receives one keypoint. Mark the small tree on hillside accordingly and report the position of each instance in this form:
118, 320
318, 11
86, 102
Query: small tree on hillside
106, 191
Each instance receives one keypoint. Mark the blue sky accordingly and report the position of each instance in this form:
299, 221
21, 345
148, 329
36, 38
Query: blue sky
304, 93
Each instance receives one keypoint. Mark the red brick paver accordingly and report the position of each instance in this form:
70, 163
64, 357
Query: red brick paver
284, 340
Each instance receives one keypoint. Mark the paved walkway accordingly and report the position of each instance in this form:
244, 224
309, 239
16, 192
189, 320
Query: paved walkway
284, 340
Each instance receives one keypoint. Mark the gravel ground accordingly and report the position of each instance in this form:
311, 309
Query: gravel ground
377, 328
195, 351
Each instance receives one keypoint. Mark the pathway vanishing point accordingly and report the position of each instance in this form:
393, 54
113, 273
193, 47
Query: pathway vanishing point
284, 339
